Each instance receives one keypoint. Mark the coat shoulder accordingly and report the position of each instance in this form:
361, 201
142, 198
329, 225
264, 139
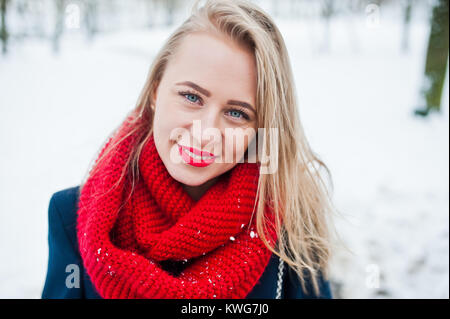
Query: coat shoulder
279, 280
293, 288
64, 261
65, 204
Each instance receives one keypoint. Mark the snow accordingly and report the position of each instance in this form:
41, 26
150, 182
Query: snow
390, 168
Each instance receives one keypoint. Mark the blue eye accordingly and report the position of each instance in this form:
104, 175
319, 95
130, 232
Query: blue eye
234, 112
192, 97
238, 112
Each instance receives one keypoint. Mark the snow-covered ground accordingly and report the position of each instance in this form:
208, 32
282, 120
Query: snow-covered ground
390, 169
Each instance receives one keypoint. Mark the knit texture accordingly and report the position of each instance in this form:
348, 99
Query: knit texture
128, 242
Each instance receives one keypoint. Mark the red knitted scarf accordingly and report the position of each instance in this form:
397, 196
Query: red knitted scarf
128, 242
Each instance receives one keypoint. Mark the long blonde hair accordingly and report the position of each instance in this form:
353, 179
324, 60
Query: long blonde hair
296, 192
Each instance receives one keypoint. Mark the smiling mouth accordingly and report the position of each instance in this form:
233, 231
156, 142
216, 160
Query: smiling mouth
196, 157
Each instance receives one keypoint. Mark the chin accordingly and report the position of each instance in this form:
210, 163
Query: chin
185, 175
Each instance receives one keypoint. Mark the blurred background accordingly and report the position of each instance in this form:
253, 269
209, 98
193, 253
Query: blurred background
372, 81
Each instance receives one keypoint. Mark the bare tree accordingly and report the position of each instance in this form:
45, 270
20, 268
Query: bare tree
90, 18
436, 59
328, 9
171, 6
3, 29
59, 24
407, 9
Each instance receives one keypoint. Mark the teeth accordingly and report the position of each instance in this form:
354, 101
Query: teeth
197, 156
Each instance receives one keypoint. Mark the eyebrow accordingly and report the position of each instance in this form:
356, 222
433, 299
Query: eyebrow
208, 94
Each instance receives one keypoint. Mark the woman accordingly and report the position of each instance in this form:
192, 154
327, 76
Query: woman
169, 212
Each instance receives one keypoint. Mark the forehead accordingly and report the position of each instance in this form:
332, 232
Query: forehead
216, 63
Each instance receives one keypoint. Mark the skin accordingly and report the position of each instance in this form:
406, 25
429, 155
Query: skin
228, 71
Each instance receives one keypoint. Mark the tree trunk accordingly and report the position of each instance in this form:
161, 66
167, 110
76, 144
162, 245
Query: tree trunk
436, 60
3, 29
406, 25
59, 24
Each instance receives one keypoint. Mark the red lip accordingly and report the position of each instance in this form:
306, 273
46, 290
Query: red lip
195, 162
197, 152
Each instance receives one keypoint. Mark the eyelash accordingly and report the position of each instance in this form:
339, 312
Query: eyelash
240, 110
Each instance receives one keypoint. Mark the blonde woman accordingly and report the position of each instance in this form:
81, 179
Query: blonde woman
172, 207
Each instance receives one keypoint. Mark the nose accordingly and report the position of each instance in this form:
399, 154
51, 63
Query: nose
210, 129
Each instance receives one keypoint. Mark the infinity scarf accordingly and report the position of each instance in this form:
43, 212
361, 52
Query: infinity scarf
160, 243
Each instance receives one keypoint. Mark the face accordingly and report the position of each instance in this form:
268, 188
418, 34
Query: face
205, 103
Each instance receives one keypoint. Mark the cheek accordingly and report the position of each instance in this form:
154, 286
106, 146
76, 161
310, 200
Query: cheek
167, 115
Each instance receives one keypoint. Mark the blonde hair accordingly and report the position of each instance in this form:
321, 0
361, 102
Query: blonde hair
296, 192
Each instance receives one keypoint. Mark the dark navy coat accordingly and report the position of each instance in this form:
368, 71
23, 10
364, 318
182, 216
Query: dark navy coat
63, 251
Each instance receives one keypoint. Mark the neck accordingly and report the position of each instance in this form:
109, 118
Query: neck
196, 192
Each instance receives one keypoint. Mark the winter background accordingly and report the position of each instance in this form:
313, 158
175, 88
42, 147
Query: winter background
358, 71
